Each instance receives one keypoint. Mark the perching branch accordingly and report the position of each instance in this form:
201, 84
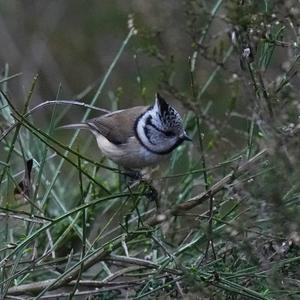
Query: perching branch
195, 201
103, 253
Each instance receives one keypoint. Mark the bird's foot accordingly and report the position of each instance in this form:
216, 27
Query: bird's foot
152, 194
134, 175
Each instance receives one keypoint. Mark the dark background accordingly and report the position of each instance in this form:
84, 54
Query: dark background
72, 44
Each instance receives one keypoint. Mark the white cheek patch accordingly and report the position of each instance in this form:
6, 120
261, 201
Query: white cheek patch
154, 136
156, 141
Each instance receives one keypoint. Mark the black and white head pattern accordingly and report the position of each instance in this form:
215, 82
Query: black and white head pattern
160, 129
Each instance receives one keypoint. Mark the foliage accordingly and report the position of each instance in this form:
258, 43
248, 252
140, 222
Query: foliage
227, 223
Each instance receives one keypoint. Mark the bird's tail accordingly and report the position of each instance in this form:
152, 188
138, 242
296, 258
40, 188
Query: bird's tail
74, 126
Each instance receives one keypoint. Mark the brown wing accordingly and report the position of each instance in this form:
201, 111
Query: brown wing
118, 126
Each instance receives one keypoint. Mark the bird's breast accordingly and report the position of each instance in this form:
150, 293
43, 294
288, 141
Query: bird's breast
130, 155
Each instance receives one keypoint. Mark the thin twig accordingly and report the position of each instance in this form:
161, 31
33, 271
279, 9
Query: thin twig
101, 253
195, 201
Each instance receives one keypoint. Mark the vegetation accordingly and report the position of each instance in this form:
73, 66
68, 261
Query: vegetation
227, 224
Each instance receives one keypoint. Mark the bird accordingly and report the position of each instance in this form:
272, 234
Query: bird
137, 137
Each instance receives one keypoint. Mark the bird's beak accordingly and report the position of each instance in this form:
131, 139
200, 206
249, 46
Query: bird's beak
185, 137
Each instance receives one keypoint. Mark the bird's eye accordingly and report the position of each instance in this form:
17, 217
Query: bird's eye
169, 133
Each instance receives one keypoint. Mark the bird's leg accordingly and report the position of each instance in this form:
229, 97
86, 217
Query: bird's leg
137, 177
133, 174
152, 194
